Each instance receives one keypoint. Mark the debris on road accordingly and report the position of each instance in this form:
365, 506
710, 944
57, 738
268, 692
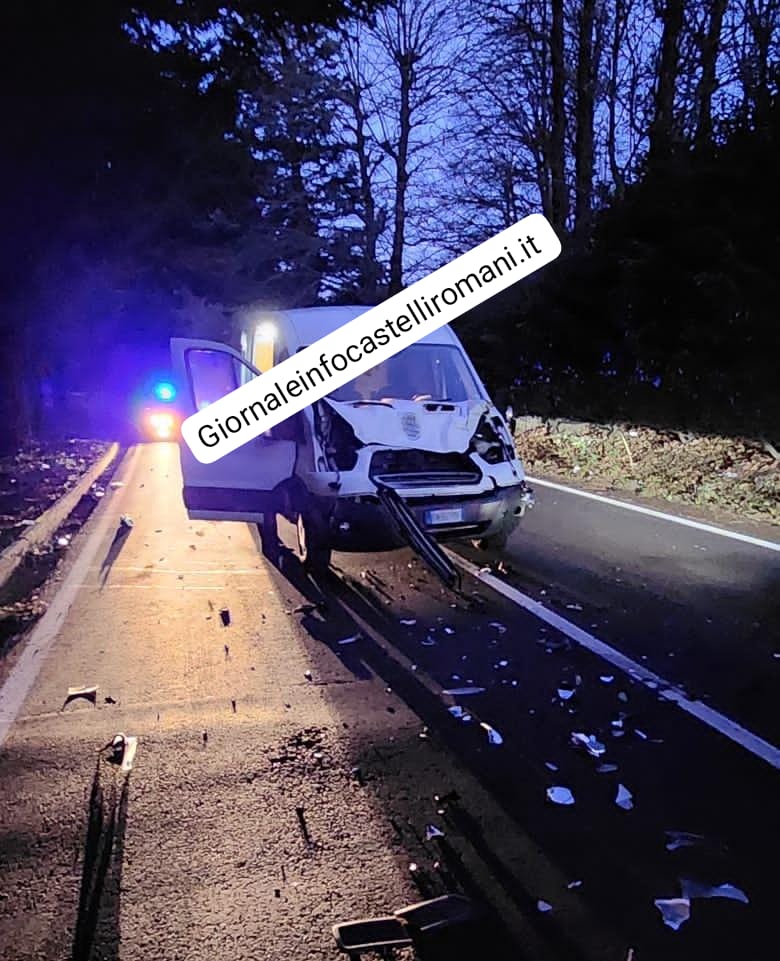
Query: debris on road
550, 766
108, 699
350, 640
431, 832
606, 678
574, 607
458, 712
463, 691
63, 540
682, 839
544, 906
408, 621
74, 693
115, 485
674, 911
574, 884
560, 795
624, 798
123, 751
300, 814
225, 616
308, 675
493, 736
126, 522
695, 889
606, 768
592, 745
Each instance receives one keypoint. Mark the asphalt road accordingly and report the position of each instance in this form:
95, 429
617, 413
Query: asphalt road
206, 854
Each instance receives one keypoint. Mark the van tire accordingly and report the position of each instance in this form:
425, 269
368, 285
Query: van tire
313, 541
269, 537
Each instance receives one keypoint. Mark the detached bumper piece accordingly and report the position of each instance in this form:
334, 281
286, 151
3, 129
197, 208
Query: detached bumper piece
421, 926
418, 539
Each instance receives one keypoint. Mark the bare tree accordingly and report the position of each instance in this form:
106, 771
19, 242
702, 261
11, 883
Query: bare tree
559, 189
662, 133
710, 44
583, 149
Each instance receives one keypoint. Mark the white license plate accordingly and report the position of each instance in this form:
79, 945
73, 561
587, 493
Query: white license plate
447, 515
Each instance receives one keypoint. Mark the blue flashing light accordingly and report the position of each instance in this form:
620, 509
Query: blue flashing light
165, 391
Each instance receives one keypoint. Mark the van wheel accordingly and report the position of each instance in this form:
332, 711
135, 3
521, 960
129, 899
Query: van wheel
313, 544
269, 536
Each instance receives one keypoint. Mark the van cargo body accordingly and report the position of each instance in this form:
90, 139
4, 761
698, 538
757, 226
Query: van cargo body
420, 423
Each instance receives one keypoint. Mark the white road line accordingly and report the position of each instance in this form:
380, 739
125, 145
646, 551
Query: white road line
21, 679
719, 722
697, 525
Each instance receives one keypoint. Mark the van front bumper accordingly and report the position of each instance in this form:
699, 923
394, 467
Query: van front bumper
363, 524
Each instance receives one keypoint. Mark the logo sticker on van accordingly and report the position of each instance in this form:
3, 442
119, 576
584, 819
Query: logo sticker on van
411, 426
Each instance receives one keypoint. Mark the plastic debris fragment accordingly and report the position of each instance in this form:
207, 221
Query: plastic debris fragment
498, 626
565, 693
550, 766
560, 795
574, 607
449, 630
592, 745
606, 678
350, 640
458, 712
606, 768
574, 884
682, 839
408, 621
428, 642
695, 889
431, 832
464, 691
115, 485
674, 911
224, 615
87, 693
126, 521
493, 736
624, 798
544, 906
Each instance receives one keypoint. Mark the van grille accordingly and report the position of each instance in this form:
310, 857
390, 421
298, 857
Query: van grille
418, 468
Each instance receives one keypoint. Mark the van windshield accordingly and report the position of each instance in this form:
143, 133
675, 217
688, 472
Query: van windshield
420, 372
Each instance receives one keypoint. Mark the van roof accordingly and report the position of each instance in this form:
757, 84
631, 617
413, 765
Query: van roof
311, 323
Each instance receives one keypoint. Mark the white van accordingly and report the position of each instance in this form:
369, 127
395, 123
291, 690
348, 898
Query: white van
419, 426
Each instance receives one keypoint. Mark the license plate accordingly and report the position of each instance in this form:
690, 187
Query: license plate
446, 515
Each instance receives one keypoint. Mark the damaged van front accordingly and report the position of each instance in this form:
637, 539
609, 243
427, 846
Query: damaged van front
413, 450
422, 424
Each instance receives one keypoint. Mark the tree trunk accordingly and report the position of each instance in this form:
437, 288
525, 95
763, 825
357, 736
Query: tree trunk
706, 87
560, 197
662, 128
583, 147
614, 63
401, 173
